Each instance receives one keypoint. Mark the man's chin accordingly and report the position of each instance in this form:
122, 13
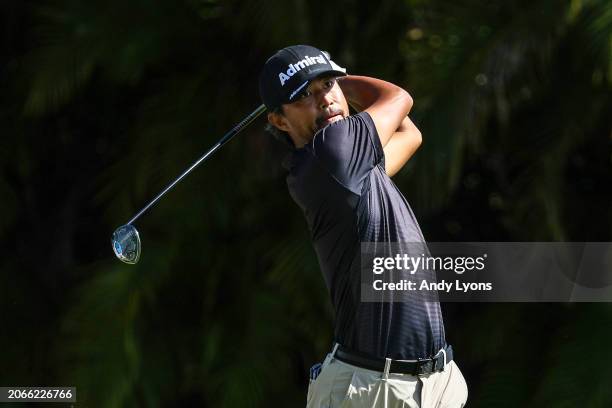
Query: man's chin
329, 121
335, 118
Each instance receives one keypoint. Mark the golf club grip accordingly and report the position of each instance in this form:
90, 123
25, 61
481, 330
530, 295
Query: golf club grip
260, 109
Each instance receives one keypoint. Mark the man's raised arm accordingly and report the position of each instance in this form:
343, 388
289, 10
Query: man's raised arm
402, 145
388, 105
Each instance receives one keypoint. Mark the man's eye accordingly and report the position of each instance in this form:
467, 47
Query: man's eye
304, 95
329, 83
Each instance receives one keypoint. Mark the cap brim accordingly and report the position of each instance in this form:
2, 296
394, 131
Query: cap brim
314, 75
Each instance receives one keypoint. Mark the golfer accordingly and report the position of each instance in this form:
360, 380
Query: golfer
385, 354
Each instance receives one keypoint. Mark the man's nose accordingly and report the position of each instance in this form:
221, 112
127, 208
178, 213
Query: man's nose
325, 100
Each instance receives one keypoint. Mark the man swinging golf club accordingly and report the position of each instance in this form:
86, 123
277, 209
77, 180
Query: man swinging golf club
386, 354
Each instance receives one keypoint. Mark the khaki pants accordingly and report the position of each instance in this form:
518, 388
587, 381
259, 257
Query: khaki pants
344, 385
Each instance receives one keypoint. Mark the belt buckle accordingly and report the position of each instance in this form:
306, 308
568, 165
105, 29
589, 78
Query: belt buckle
434, 363
419, 364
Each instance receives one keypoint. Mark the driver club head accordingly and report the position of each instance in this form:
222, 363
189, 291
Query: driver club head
126, 244
125, 240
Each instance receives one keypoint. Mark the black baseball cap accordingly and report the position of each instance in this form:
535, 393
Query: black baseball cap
288, 72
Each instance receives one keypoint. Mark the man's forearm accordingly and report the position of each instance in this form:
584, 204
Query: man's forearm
400, 138
387, 103
402, 146
361, 92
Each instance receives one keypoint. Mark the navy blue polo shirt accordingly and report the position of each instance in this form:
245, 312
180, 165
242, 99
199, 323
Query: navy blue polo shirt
339, 182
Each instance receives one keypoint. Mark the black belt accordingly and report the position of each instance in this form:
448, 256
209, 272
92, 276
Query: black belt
419, 367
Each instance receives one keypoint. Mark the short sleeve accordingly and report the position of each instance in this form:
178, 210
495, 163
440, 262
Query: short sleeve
349, 149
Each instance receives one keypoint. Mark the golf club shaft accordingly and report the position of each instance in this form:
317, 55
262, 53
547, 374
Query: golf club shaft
220, 143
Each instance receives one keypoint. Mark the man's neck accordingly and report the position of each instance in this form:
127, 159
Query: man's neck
300, 142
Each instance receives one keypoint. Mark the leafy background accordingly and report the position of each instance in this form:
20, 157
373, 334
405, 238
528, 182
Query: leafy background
102, 103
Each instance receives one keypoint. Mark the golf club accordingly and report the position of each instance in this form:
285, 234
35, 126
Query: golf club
126, 240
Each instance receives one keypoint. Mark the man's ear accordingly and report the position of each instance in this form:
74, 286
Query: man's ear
278, 120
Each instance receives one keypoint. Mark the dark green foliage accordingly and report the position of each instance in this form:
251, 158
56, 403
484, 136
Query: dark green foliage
104, 102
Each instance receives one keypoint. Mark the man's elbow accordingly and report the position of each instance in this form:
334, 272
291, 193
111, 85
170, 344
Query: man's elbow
406, 99
400, 99
418, 137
